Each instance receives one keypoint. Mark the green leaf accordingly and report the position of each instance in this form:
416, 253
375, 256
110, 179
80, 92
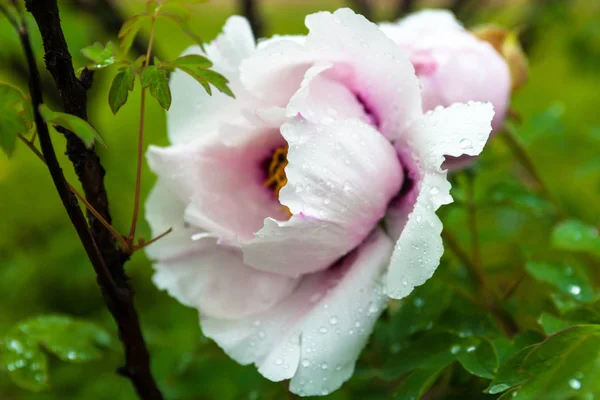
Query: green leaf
156, 79
205, 77
184, 26
27, 365
479, 359
11, 125
421, 309
14, 119
552, 324
574, 235
509, 373
191, 62
69, 339
430, 351
102, 56
570, 280
130, 29
78, 126
121, 85
415, 385
10, 95
564, 366
465, 319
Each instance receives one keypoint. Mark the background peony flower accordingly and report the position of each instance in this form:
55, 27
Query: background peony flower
276, 197
452, 64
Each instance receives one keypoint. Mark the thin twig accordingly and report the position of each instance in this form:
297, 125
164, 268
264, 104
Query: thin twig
149, 242
140, 149
117, 235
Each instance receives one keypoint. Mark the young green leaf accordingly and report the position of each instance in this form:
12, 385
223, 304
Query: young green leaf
574, 235
156, 79
181, 18
10, 95
25, 362
102, 56
552, 324
78, 126
191, 61
130, 29
121, 85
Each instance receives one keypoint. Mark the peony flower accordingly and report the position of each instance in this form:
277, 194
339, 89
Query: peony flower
302, 204
452, 64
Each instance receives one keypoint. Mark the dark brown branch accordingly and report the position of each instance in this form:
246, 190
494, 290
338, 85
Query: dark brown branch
108, 259
250, 9
363, 7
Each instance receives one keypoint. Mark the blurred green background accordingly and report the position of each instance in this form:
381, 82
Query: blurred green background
43, 268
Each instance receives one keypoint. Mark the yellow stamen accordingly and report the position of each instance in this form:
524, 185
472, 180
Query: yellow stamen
276, 178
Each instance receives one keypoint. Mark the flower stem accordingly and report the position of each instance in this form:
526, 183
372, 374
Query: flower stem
140, 149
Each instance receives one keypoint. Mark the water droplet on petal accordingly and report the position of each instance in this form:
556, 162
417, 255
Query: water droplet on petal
323, 329
333, 320
305, 363
324, 366
466, 144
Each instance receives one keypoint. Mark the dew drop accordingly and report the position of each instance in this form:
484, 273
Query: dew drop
324, 366
262, 335
279, 361
455, 349
333, 320
471, 349
434, 190
574, 290
305, 363
323, 329
574, 384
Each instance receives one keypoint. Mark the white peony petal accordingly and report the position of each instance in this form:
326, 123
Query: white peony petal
222, 183
314, 336
322, 100
380, 74
456, 130
196, 115
341, 177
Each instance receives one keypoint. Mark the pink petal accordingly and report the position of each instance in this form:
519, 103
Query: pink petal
318, 331
341, 177
223, 182
456, 130
380, 73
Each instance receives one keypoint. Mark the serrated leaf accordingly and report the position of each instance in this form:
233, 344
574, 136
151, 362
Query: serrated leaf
570, 280
191, 61
101, 56
130, 29
574, 235
78, 126
122, 84
156, 80
415, 385
564, 366
70, 340
208, 77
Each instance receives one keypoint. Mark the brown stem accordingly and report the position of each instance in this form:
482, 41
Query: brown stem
98, 241
149, 242
250, 9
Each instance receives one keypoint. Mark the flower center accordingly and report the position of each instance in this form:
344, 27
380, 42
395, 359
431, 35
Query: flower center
276, 178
